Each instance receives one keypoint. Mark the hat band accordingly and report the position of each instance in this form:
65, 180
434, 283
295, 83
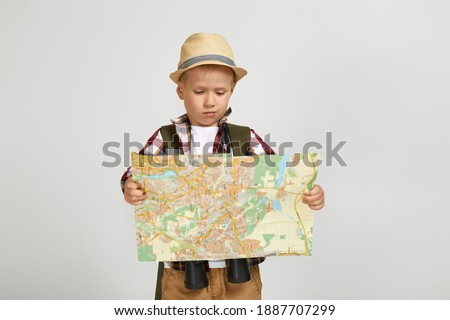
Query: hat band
206, 57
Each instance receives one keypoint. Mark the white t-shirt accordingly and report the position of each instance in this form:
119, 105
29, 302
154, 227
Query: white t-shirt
202, 140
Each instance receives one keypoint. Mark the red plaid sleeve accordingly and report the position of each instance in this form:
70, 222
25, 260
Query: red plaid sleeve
154, 146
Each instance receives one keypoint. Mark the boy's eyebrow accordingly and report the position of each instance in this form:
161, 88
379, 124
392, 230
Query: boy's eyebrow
205, 87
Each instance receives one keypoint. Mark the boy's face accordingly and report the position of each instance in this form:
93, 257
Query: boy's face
206, 91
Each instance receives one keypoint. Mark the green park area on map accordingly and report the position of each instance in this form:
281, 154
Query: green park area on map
223, 207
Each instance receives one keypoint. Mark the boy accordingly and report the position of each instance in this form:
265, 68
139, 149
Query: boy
206, 78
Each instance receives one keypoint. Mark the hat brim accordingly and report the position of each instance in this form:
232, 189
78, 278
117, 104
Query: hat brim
238, 71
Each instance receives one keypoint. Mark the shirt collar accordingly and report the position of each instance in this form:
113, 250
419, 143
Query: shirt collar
184, 118
183, 129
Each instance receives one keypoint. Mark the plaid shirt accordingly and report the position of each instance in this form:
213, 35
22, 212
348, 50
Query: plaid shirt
155, 146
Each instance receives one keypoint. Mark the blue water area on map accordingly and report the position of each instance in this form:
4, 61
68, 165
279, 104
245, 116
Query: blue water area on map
276, 205
166, 175
262, 201
282, 167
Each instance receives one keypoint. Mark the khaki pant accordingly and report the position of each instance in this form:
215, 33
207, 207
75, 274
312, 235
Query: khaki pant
218, 289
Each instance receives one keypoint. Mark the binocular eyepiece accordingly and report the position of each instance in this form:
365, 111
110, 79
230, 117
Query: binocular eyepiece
195, 273
238, 271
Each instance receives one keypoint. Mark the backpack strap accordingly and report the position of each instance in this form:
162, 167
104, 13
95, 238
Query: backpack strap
158, 290
240, 139
170, 137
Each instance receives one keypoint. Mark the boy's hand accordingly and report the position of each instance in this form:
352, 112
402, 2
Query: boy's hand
315, 198
133, 192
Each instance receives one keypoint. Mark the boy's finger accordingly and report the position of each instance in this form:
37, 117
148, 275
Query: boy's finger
318, 207
132, 185
312, 198
139, 197
315, 203
135, 200
135, 192
314, 191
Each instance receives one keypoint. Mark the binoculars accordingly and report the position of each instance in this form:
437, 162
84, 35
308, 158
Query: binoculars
195, 273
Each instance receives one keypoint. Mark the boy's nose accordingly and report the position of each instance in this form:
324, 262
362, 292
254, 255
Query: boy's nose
209, 101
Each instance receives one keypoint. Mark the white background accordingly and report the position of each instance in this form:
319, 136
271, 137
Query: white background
75, 75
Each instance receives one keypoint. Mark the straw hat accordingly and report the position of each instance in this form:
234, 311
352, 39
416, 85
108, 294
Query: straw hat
206, 48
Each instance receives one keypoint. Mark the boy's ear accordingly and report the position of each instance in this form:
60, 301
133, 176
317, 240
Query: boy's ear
180, 90
232, 86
